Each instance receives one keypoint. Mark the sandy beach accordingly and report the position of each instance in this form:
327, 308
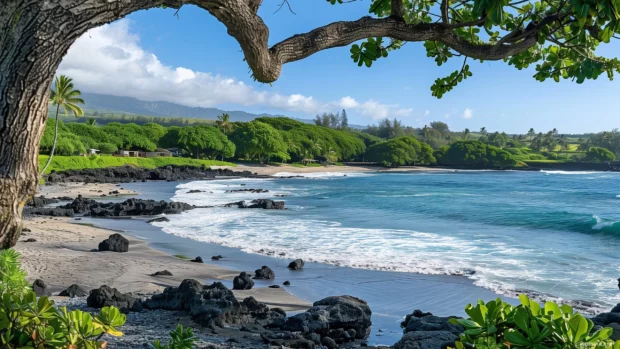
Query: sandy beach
62, 256
90, 190
270, 170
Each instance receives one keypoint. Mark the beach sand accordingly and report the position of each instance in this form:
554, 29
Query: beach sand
90, 190
61, 256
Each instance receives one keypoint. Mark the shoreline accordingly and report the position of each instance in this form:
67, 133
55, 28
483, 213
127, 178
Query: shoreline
61, 242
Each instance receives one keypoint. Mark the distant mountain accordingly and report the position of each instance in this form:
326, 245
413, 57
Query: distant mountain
129, 105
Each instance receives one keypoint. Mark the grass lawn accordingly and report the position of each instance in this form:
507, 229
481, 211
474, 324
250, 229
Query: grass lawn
64, 163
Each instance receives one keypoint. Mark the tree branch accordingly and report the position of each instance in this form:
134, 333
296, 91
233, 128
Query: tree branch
444, 11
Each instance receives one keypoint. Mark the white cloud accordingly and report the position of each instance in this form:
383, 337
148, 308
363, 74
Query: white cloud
468, 113
110, 60
427, 112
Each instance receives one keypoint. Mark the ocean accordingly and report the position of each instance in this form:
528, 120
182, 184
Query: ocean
392, 237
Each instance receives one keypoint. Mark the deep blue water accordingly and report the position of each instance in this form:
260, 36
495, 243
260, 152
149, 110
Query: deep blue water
554, 233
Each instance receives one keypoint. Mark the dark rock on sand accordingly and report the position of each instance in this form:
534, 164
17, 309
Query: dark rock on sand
283, 339
30, 240
334, 317
217, 258
258, 203
115, 243
274, 286
40, 288
287, 283
297, 264
160, 219
254, 191
162, 273
74, 291
26, 230
215, 305
194, 191
197, 260
243, 282
106, 296
264, 273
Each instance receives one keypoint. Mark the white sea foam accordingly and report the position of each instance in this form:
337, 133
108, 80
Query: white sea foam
571, 172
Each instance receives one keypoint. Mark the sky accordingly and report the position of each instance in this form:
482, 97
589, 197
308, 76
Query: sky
191, 60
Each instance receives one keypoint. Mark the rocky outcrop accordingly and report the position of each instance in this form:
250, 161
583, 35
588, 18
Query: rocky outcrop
48, 211
215, 305
74, 291
115, 243
195, 191
217, 258
297, 264
134, 174
266, 204
341, 318
106, 296
160, 219
426, 331
243, 282
197, 260
253, 191
264, 273
606, 319
40, 288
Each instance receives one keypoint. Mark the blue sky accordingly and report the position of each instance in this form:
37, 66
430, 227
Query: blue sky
191, 59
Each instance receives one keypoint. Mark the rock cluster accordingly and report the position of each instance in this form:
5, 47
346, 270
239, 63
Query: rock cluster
215, 305
424, 330
267, 204
341, 319
134, 174
106, 296
254, 191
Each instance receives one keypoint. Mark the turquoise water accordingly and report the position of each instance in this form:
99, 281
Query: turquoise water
554, 235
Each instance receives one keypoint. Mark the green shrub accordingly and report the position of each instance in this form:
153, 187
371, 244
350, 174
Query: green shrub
596, 154
28, 322
179, 339
499, 325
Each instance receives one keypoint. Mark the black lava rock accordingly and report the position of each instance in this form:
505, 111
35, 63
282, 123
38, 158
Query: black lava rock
115, 243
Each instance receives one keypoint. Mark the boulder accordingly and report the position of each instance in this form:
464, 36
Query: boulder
329, 343
106, 296
217, 258
334, 317
264, 273
426, 340
197, 260
616, 309
215, 305
284, 339
432, 323
115, 243
258, 203
243, 282
194, 191
74, 291
287, 283
26, 230
297, 264
615, 335
160, 219
30, 240
274, 286
162, 273
40, 288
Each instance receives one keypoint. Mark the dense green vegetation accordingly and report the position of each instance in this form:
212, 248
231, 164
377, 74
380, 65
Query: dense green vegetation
64, 163
499, 325
30, 322
474, 153
280, 139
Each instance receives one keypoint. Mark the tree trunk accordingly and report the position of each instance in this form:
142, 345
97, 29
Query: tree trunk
49, 160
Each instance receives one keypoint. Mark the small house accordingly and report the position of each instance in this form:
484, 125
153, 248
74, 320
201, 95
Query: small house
131, 153
175, 151
92, 151
158, 153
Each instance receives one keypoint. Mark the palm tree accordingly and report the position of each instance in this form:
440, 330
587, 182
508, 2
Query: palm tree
91, 122
483, 130
466, 133
531, 133
223, 122
66, 97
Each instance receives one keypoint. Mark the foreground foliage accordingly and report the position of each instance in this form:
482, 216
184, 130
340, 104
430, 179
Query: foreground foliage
28, 322
180, 338
499, 325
